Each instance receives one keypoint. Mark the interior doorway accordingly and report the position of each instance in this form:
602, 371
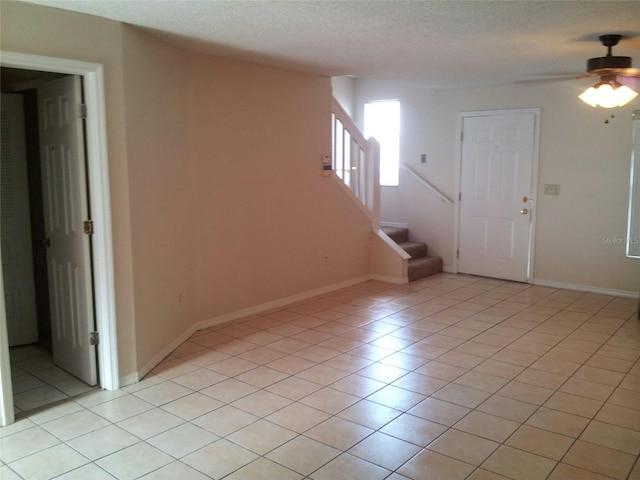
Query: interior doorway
47, 255
98, 180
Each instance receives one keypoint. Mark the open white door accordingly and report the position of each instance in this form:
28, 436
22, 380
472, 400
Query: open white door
496, 189
15, 226
66, 209
98, 175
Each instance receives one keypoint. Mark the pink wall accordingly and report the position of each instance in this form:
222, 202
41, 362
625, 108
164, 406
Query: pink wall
218, 203
228, 206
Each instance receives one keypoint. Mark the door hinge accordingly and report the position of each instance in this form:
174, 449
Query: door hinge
457, 253
94, 338
88, 227
83, 110
459, 196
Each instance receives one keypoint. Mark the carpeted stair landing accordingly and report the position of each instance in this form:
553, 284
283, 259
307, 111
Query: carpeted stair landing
420, 265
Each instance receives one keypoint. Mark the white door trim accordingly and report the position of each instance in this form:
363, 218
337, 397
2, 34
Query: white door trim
98, 174
534, 179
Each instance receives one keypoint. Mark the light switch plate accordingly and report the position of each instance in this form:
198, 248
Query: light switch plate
550, 189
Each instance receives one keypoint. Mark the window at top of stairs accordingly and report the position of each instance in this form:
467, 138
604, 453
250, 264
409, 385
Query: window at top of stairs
382, 121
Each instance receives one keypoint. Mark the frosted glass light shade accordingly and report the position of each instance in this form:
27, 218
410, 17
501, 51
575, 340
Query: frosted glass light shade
608, 94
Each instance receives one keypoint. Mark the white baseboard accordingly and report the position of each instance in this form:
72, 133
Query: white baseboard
392, 280
164, 353
245, 312
585, 288
129, 379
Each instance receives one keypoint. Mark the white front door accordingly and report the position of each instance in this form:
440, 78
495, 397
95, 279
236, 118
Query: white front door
66, 208
495, 195
15, 226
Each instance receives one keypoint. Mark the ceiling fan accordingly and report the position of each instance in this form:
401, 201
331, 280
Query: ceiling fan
609, 92
611, 65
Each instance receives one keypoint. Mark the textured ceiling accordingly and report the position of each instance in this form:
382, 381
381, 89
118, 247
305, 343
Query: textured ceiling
439, 44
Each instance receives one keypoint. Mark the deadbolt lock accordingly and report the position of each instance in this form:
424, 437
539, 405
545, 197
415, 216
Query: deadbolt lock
525, 199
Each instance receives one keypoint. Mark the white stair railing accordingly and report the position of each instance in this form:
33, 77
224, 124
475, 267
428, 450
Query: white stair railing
356, 162
427, 184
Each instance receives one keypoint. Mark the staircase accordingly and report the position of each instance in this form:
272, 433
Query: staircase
420, 265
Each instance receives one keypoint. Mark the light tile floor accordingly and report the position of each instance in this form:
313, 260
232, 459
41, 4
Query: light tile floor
450, 377
37, 381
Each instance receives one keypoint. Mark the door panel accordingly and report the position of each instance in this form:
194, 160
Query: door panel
496, 185
66, 208
505, 235
479, 229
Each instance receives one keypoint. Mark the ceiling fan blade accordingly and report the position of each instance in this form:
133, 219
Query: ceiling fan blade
630, 72
575, 76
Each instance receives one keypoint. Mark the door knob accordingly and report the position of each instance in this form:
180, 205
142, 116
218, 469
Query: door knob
524, 211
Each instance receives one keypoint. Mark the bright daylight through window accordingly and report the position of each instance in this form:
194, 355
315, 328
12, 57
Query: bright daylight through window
382, 121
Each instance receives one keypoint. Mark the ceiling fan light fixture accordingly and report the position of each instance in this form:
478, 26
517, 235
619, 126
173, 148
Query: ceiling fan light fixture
608, 93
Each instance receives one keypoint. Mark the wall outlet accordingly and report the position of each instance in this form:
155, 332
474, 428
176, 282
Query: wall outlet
551, 189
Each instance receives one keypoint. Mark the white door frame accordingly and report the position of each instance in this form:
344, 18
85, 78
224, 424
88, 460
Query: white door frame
534, 179
98, 177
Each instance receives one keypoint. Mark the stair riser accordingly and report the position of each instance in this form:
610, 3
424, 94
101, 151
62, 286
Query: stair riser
416, 250
424, 267
397, 234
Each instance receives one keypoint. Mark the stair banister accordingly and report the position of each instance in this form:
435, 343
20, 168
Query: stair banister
351, 127
427, 184
358, 163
